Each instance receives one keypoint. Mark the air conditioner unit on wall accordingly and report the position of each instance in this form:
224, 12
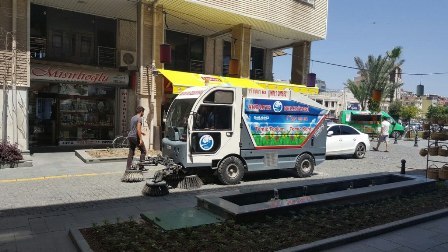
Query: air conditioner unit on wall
128, 58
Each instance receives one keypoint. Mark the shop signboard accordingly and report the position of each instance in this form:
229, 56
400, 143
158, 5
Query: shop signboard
62, 74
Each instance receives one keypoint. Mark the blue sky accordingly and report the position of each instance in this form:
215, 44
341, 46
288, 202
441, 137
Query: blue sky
360, 28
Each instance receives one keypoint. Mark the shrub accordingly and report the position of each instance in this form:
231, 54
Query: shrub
9, 153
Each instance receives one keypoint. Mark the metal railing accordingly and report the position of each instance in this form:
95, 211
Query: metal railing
38, 47
196, 66
257, 74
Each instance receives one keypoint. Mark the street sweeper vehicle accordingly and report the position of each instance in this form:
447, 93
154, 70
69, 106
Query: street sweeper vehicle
232, 130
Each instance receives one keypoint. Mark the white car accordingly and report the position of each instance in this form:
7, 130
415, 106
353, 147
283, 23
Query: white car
345, 140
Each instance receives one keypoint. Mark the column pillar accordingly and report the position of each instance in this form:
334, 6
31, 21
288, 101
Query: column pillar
209, 58
268, 63
218, 52
149, 93
241, 47
301, 55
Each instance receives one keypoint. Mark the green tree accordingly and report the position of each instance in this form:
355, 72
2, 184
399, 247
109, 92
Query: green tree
409, 112
437, 113
395, 109
375, 75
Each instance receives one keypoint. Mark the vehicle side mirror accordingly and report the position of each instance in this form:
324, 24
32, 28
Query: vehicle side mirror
330, 133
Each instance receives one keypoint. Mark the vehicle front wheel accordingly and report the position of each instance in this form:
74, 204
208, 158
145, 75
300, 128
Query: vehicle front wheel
305, 165
230, 170
360, 151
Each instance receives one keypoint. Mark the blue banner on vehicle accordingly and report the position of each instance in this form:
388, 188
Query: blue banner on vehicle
274, 123
268, 106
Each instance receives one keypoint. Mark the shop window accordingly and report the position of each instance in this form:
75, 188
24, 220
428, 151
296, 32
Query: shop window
226, 56
257, 64
57, 39
74, 44
73, 37
86, 112
86, 46
187, 52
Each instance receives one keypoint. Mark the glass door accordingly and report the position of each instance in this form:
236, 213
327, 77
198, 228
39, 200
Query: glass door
43, 118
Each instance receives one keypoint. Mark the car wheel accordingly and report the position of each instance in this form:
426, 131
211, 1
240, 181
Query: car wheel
304, 165
230, 170
360, 150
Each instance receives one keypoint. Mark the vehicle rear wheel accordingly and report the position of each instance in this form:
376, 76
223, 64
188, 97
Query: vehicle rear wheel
305, 165
360, 151
230, 170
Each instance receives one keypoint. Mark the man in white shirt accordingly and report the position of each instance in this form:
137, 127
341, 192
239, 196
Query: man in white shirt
384, 134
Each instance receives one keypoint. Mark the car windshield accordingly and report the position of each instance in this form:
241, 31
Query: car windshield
178, 113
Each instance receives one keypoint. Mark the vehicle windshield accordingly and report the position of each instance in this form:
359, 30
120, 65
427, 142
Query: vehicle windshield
178, 113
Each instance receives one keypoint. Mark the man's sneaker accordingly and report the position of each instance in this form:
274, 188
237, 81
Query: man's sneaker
375, 149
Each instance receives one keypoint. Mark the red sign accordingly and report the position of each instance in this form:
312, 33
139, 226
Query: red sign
76, 75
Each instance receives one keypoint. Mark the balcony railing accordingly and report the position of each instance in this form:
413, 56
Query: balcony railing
38, 47
197, 66
257, 74
107, 56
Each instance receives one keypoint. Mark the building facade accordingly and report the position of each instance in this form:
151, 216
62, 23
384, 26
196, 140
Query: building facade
73, 71
336, 101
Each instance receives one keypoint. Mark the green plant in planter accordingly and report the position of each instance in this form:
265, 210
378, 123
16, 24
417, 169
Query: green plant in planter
10, 154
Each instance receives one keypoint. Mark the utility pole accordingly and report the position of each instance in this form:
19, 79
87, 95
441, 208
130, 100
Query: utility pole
14, 72
5, 99
344, 102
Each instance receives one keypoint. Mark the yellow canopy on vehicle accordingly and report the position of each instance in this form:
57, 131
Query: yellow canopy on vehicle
179, 81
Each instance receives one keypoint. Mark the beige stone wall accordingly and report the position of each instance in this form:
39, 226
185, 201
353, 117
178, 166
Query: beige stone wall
294, 14
241, 35
209, 60
126, 35
22, 117
300, 62
152, 105
218, 52
22, 66
268, 65
22, 69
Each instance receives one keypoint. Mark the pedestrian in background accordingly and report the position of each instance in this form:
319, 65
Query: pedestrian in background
135, 137
384, 134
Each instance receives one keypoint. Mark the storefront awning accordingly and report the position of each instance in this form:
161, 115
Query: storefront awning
179, 81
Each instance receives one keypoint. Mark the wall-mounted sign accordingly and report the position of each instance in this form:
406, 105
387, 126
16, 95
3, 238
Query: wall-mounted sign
354, 106
54, 73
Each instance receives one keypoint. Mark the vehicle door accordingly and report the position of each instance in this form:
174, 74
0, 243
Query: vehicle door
212, 127
333, 140
349, 139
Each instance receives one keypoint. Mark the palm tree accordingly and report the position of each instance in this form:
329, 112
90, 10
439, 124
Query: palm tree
375, 75
360, 92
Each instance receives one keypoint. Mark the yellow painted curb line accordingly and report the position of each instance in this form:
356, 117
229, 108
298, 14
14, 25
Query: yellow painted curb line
56, 177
